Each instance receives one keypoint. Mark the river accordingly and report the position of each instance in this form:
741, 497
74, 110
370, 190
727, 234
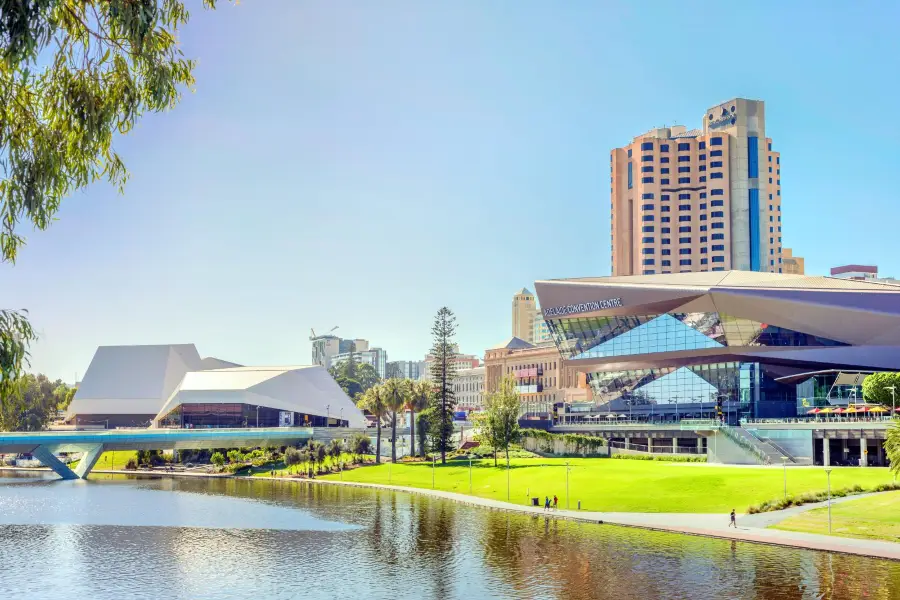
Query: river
114, 537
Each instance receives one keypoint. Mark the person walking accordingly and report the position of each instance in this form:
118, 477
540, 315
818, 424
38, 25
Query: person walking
546, 503
555, 502
733, 522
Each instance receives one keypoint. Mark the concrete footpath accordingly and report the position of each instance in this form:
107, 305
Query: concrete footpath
710, 525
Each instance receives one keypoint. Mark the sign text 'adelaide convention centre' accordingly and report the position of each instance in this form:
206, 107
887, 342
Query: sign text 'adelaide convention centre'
571, 309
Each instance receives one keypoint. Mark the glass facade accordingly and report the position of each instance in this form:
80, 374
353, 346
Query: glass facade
676, 389
217, 415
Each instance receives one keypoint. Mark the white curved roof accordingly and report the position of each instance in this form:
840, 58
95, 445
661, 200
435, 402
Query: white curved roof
303, 389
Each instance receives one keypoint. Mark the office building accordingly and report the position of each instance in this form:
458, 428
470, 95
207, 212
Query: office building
524, 310
326, 347
856, 272
708, 199
376, 357
792, 265
405, 369
541, 333
460, 362
468, 389
760, 345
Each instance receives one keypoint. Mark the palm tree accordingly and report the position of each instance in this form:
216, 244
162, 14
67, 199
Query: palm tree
394, 400
418, 396
372, 400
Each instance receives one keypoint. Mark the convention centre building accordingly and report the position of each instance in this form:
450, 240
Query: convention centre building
751, 344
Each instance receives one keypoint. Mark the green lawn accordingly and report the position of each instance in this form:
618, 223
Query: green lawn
873, 518
112, 460
619, 485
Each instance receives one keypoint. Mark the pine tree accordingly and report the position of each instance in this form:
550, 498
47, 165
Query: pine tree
443, 372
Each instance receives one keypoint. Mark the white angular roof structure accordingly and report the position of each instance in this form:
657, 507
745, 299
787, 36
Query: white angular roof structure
306, 389
132, 380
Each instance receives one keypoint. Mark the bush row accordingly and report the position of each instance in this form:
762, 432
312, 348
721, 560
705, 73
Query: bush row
821, 496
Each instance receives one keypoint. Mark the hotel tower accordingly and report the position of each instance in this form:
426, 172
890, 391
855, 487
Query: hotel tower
701, 200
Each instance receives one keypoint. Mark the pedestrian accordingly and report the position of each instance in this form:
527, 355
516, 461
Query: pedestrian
555, 502
733, 520
546, 503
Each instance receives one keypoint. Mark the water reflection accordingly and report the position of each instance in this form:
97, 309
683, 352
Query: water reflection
68, 541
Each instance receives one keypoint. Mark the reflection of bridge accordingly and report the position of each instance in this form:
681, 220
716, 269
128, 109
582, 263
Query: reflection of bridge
44, 445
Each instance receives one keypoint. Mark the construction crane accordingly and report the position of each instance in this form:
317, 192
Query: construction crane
312, 332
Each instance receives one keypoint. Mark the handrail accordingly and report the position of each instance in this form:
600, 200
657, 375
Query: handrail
740, 441
771, 443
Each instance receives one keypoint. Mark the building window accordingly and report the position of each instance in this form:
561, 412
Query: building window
649, 272
683, 146
716, 164
684, 240
703, 261
647, 196
770, 146
629, 172
666, 263
714, 153
684, 180
715, 176
666, 241
778, 182
664, 159
684, 251
702, 239
702, 178
649, 261
702, 168
716, 141
702, 157
647, 158
666, 252
703, 228
647, 169
684, 262
777, 160
702, 206
684, 207
684, 169
703, 145
648, 240
703, 250
770, 180
646, 207
665, 219
647, 229
646, 218
718, 225
718, 248
717, 203
684, 229
629, 153
664, 170
717, 259
702, 195
718, 236
647, 251
646, 180
664, 181
664, 230
684, 159
647, 146
717, 214
664, 208
663, 147
717, 192
770, 169
703, 217
684, 196
664, 197
752, 156
684, 218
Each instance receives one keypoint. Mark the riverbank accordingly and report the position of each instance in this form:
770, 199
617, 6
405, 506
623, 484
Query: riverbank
700, 524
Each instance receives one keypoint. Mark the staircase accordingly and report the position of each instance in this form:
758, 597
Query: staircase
764, 452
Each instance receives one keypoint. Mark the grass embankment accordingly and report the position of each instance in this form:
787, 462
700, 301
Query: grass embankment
872, 518
114, 461
618, 485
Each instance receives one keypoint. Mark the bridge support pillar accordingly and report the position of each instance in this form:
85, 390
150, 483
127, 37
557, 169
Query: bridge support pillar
880, 446
699, 445
88, 461
46, 456
863, 452
826, 452
674, 445
627, 443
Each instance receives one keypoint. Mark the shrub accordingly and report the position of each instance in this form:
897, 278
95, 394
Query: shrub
661, 457
131, 465
820, 496
217, 459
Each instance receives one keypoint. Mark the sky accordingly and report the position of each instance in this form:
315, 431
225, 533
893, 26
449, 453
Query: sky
362, 164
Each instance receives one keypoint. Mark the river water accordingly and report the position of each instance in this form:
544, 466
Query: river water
115, 537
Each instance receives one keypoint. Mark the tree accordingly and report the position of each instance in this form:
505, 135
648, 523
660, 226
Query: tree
73, 73
499, 423
876, 388
419, 397
354, 377
335, 449
360, 444
235, 456
892, 447
372, 400
394, 394
367, 376
217, 459
292, 457
443, 372
32, 403
424, 428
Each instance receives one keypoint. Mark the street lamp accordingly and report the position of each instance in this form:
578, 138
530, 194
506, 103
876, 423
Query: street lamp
893, 399
470, 473
567, 485
327, 414
341, 422
828, 473
784, 460
257, 417
433, 461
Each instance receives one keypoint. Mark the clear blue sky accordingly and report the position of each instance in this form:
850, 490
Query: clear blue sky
362, 164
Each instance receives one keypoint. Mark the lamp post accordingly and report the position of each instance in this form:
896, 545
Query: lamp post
567, 485
257, 417
470, 474
784, 460
828, 473
433, 461
507, 478
327, 415
341, 421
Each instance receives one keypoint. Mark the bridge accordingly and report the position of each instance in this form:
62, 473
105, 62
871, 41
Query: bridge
44, 445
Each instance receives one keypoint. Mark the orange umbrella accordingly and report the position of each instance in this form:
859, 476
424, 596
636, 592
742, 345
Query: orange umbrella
878, 409
826, 411
851, 410
839, 410
814, 411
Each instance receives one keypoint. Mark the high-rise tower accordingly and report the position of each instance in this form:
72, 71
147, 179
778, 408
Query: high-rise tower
707, 199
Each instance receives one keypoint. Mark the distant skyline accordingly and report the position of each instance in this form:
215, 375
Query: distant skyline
329, 146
